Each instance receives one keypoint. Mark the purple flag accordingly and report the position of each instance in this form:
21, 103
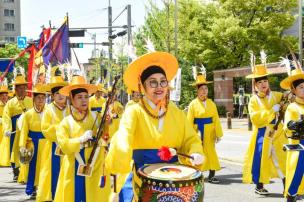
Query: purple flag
57, 50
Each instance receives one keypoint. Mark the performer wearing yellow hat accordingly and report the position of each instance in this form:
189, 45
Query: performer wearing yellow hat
52, 116
31, 134
135, 97
265, 158
97, 101
11, 112
3, 101
155, 122
294, 111
72, 134
203, 115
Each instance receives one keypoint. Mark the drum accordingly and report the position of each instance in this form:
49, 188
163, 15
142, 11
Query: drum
170, 182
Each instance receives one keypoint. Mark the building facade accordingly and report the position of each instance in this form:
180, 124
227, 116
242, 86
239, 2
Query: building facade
10, 21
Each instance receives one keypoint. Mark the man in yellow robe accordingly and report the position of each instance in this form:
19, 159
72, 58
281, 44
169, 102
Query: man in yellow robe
294, 111
97, 101
72, 135
135, 97
265, 158
31, 134
203, 115
3, 101
52, 116
11, 112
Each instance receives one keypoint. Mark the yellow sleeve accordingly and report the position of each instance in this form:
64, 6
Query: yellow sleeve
24, 130
260, 117
47, 127
217, 123
67, 144
121, 146
190, 115
6, 119
291, 114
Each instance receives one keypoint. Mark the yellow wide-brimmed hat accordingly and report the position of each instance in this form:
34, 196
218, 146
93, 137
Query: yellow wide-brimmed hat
78, 82
295, 74
100, 87
259, 71
39, 88
162, 59
200, 79
56, 78
4, 89
19, 80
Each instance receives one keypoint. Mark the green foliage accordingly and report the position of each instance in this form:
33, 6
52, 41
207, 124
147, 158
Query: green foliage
219, 34
11, 51
221, 110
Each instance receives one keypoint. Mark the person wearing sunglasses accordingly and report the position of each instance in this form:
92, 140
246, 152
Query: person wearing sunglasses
154, 122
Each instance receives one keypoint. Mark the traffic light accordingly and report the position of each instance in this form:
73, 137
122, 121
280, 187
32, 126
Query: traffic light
76, 45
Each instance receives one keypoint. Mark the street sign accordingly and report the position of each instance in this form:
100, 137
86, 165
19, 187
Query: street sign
21, 42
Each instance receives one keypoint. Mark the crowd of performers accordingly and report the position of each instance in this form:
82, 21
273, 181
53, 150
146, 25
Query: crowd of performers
48, 145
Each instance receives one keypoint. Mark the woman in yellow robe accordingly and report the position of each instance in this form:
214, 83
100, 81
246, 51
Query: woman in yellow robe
295, 159
203, 116
72, 134
11, 113
31, 132
265, 158
52, 116
155, 122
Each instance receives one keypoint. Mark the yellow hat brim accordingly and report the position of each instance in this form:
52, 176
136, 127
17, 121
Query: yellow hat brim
162, 59
53, 85
287, 82
4, 91
19, 83
200, 83
67, 89
254, 76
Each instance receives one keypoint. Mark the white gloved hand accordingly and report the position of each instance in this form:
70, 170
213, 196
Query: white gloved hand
197, 159
86, 136
276, 107
22, 150
8, 133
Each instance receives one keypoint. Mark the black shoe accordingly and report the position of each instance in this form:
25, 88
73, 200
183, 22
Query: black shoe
16, 174
213, 180
261, 191
291, 198
33, 195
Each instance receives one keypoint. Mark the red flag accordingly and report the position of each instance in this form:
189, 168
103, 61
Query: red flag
44, 37
32, 50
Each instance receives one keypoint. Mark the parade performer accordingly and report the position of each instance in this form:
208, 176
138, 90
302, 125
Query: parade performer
115, 112
135, 97
3, 101
72, 134
203, 115
151, 124
11, 112
31, 134
265, 158
97, 101
295, 159
52, 116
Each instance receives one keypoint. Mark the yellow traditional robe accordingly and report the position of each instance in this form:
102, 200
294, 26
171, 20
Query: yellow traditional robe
265, 158
139, 132
294, 183
51, 118
31, 131
68, 187
97, 104
204, 118
12, 110
130, 103
118, 109
1, 131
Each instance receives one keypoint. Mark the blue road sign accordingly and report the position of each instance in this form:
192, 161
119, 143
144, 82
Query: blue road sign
21, 42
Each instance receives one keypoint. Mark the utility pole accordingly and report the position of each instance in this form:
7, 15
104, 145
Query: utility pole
300, 33
110, 40
129, 28
175, 28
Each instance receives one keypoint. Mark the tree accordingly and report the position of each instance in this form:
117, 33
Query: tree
219, 34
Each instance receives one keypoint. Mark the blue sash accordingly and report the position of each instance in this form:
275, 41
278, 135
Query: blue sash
12, 138
55, 169
80, 190
97, 109
30, 185
257, 156
298, 175
201, 124
140, 157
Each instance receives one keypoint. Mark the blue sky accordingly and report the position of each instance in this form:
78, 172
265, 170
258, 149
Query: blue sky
82, 13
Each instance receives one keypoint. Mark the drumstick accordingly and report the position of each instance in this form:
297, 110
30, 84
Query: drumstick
166, 153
